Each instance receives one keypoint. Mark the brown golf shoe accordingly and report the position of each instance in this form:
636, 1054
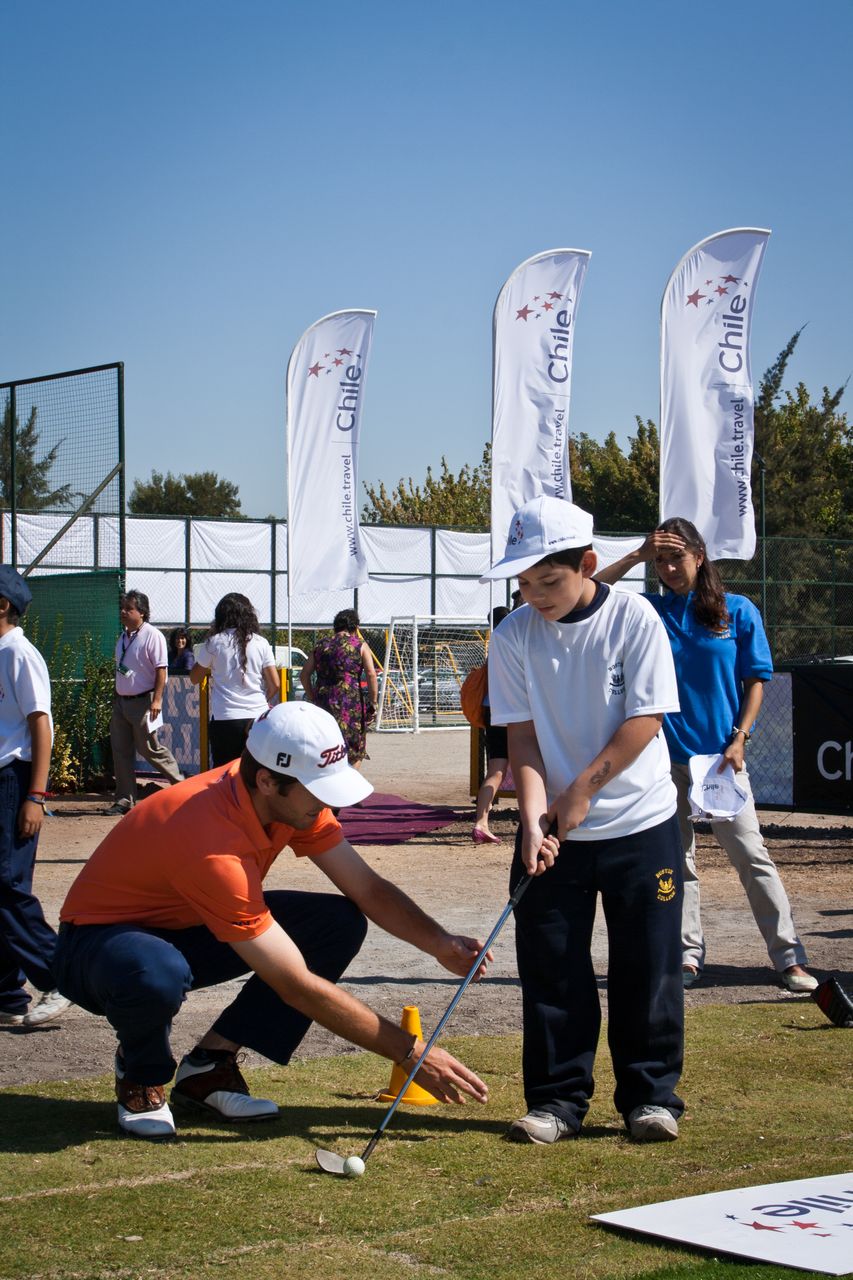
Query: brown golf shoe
214, 1083
143, 1111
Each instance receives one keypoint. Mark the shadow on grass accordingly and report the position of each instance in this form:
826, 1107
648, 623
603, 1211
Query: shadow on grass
31, 1124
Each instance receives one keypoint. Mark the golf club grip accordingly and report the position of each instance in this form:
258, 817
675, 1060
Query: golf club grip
514, 900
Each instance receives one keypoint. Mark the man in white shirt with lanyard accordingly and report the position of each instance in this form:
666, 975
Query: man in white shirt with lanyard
141, 665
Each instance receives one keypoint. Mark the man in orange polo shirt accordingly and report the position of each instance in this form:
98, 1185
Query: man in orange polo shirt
172, 900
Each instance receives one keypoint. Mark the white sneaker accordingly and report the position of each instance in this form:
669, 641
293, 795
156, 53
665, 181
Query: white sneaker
143, 1111
51, 1005
217, 1086
652, 1124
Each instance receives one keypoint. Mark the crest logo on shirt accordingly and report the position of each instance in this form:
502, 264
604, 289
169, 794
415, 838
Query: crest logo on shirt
617, 678
666, 884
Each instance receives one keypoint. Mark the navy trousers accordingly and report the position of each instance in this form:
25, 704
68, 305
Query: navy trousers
137, 978
639, 878
27, 941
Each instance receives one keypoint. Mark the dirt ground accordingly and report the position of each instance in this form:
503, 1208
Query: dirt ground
465, 887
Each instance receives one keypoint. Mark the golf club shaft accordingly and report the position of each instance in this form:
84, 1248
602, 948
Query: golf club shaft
513, 902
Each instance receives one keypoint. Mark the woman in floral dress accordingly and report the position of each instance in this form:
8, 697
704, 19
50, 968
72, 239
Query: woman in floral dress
337, 664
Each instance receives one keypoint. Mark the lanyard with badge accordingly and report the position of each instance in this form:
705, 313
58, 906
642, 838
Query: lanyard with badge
125, 645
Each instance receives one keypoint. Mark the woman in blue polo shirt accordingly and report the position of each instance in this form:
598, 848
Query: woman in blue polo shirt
722, 661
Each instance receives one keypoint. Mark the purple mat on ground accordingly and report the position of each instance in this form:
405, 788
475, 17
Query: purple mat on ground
385, 819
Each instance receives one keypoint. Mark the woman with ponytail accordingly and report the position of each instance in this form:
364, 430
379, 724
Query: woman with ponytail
245, 679
722, 661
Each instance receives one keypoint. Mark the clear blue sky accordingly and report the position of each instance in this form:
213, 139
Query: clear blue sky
188, 185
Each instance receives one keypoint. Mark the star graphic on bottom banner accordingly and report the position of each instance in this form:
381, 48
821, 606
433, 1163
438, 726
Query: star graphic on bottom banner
805, 1226
759, 1226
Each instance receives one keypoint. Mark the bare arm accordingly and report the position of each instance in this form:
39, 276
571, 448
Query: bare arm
538, 849
753, 696
395, 912
305, 678
277, 960
157, 696
198, 673
272, 683
370, 671
654, 543
629, 740
30, 814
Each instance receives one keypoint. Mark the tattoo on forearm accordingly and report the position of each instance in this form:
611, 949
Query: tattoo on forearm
601, 775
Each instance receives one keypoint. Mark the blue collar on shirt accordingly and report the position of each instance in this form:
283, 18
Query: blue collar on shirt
580, 615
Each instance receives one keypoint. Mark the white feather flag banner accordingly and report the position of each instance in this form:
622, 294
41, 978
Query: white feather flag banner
706, 435
325, 396
533, 334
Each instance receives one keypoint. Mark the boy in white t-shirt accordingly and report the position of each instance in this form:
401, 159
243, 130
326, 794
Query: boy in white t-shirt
27, 942
582, 677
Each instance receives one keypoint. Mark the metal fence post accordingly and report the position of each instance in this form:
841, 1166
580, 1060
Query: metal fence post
13, 474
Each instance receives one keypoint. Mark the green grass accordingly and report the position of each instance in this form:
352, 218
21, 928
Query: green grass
768, 1098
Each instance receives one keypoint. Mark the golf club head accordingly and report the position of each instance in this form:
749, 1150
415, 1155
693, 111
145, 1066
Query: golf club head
330, 1162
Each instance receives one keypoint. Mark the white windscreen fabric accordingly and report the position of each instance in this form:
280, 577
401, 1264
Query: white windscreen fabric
155, 543
462, 597
609, 550
35, 531
396, 550
460, 552
219, 545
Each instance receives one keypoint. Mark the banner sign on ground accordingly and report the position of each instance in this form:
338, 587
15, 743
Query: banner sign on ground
325, 396
533, 334
706, 392
822, 700
807, 1223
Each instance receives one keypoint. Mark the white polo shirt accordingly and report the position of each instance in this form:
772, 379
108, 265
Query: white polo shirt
141, 654
578, 681
24, 688
236, 694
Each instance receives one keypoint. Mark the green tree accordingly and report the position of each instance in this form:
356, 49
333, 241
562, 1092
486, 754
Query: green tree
201, 494
621, 490
461, 501
32, 475
807, 450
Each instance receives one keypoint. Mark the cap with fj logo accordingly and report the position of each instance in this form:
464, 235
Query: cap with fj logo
305, 742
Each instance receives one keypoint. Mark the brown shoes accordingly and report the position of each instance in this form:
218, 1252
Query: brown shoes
211, 1079
143, 1111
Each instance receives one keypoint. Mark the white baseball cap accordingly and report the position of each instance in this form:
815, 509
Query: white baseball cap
304, 742
538, 529
714, 796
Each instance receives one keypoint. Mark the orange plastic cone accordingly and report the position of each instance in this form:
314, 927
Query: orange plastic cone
415, 1095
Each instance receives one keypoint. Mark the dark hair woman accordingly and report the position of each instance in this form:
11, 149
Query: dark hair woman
181, 656
337, 665
722, 661
245, 679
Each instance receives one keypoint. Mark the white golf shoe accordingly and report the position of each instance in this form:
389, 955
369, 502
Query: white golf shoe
217, 1086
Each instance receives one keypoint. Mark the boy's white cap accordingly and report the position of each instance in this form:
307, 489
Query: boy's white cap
714, 796
304, 742
538, 529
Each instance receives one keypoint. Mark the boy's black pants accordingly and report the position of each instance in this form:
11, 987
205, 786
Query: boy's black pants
639, 878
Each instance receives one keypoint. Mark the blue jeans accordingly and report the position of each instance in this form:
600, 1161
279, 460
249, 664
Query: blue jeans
27, 941
138, 978
639, 878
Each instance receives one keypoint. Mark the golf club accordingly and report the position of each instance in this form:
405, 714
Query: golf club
329, 1161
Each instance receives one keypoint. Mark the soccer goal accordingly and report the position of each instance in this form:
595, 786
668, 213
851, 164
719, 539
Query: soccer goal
426, 660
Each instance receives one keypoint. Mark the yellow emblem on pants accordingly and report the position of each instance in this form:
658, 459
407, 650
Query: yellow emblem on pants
666, 884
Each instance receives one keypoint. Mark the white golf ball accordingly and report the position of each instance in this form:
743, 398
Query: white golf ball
353, 1166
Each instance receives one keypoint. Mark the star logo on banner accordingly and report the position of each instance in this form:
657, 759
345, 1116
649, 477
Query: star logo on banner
718, 296
806, 1226
317, 368
540, 304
